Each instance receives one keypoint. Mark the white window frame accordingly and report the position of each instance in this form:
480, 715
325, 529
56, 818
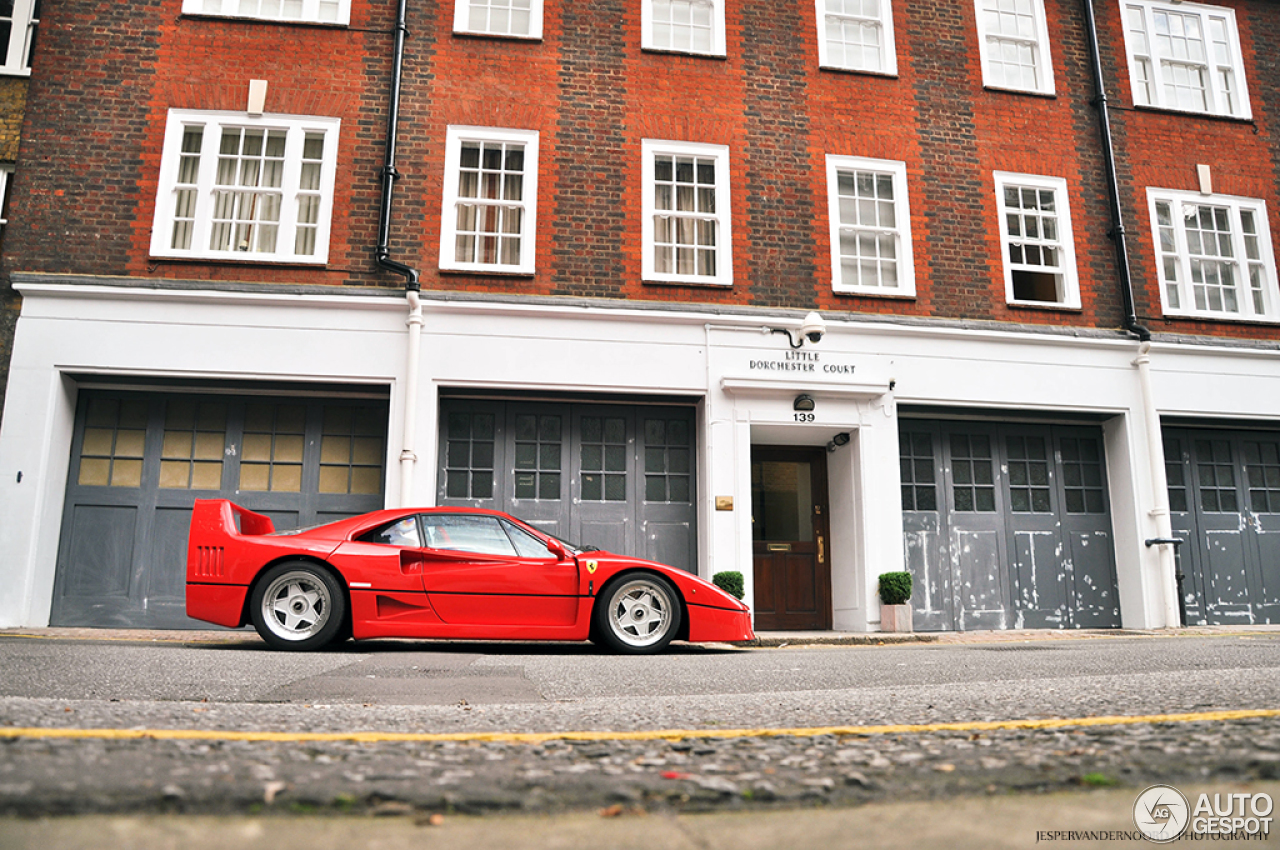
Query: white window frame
1069, 286
1174, 267
455, 136
290, 191
888, 54
462, 21
900, 232
1149, 77
311, 12
22, 30
1038, 41
648, 42
651, 148
6, 173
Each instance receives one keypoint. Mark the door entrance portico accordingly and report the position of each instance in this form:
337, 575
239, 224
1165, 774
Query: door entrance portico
789, 538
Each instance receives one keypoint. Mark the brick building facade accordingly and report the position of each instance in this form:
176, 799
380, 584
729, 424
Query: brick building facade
13, 105
621, 214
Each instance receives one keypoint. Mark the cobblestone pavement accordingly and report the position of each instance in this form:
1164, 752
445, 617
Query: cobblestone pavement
64, 776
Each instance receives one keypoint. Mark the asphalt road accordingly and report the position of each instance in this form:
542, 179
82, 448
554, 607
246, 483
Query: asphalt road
97, 723
419, 687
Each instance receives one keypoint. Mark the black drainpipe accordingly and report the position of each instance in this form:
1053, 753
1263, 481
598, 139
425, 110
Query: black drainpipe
1113, 184
389, 173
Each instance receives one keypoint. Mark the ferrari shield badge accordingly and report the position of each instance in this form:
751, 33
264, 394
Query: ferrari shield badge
591, 566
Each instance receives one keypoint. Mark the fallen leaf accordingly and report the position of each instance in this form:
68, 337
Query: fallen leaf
610, 812
674, 774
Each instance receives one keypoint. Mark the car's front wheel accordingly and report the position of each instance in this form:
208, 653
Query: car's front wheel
298, 606
639, 613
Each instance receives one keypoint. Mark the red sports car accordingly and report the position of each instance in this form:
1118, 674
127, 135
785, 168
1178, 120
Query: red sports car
456, 573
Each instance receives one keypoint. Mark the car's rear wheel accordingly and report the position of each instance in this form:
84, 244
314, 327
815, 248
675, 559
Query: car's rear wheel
638, 613
298, 606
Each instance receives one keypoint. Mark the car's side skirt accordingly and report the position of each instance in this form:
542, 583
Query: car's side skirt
376, 613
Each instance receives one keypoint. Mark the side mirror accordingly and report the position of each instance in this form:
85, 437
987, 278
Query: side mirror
557, 548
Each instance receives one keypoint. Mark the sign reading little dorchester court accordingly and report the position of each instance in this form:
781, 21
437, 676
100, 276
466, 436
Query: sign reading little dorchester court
804, 362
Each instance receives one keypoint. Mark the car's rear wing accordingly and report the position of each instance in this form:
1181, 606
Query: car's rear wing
214, 518
215, 524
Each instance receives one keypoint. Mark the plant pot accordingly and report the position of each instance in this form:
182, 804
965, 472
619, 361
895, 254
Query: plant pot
895, 618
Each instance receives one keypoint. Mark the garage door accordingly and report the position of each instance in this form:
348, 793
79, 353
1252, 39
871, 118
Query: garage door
140, 460
1007, 526
618, 477
1224, 500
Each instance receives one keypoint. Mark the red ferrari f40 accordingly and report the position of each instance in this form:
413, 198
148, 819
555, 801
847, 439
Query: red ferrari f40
439, 573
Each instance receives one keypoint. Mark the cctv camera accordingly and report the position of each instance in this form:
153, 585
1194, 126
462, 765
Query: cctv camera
813, 328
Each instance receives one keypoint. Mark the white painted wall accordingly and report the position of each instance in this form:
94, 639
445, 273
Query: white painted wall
116, 332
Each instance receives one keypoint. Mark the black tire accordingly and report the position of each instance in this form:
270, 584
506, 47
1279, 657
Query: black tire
298, 606
637, 614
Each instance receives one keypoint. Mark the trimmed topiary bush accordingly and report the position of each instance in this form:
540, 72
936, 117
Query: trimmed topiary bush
730, 582
895, 588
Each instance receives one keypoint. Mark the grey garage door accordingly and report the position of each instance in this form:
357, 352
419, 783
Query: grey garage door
140, 460
1224, 500
618, 477
1007, 526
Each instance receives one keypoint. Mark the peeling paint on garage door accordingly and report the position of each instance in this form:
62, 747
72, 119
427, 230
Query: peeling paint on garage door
1007, 526
1224, 500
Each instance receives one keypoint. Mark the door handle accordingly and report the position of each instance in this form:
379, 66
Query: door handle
822, 555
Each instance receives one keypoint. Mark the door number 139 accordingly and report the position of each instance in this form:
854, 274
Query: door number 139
805, 417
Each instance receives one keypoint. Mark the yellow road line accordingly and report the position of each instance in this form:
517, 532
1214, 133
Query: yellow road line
654, 735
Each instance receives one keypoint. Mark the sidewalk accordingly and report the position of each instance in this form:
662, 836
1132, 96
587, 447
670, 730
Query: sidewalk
779, 639
1099, 818
763, 639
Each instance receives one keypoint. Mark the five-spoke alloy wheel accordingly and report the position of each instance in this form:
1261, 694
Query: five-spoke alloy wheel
297, 605
638, 613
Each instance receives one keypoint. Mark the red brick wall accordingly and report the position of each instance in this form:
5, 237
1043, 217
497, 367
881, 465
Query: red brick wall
108, 72
1161, 149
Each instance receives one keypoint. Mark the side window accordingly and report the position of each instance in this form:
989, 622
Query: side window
238, 187
464, 533
1035, 229
402, 533
510, 18
856, 35
1214, 255
683, 26
489, 215
527, 546
292, 11
6, 173
685, 229
18, 20
1013, 40
1186, 56
871, 250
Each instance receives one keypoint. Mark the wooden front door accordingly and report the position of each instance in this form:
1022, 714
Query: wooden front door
789, 538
